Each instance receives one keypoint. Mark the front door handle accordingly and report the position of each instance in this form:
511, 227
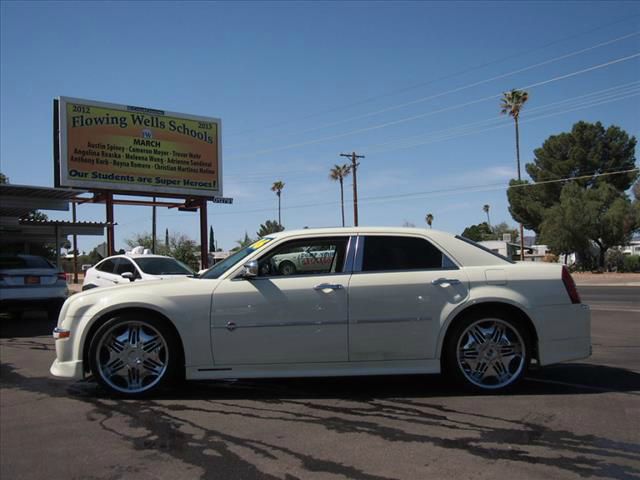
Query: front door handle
231, 326
330, 286
450, 281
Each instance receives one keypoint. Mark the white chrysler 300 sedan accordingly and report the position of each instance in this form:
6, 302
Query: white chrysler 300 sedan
390, 301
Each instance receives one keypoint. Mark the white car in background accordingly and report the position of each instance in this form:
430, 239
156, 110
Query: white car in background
131, 267
389, 301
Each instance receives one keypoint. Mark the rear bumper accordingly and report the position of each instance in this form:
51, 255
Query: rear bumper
564, 333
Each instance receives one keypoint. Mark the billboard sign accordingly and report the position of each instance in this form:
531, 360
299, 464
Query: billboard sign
122, 148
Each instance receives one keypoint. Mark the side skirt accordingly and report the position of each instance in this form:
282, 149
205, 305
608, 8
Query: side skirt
338, 369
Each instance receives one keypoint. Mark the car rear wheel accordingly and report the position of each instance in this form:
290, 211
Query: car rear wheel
133, 356
488, 354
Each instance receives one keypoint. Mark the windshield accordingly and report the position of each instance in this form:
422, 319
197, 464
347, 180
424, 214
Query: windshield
219, 268
162, 266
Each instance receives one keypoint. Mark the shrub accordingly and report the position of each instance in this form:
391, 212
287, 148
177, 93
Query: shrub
631, 263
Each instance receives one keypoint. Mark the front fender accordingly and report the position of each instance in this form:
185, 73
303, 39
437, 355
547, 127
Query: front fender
186, 305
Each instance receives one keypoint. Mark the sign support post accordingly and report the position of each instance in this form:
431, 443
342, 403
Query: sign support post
110, 225
204, 254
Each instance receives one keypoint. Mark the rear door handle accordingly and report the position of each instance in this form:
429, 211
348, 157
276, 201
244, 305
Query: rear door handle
442, 281
331, 286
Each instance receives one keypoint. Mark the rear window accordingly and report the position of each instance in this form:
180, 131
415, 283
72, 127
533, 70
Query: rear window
402, 253
484, 249
24, 261
162, 266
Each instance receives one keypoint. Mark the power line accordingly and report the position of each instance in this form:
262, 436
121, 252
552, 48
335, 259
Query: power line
453, 132
458, 189
599, 97
587, 104
445, 77
422, 115
466, 87
501, 118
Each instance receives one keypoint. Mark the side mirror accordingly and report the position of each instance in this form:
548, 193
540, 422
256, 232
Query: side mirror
250, 269
128, 275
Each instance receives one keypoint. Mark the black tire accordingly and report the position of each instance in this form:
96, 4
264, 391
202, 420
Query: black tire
493, 366
287, 268
147, 361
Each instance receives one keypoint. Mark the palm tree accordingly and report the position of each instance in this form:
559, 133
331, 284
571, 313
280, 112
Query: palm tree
429, 219
277, 187
339, 173
485, 209
512, 103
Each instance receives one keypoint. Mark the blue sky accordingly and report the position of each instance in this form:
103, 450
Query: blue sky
410, 85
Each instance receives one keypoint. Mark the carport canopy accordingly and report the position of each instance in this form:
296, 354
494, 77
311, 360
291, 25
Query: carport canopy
18, 201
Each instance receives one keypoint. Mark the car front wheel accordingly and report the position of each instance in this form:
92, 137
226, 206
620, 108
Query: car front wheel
133, 356
488, 354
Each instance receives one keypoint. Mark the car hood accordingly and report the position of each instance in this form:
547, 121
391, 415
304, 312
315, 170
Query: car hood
144, 291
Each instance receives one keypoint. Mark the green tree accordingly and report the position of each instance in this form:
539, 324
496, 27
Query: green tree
602, 215
212, 242
268, 227
179, 246
478, 232
339, 173
429, 219
3, 179
278, 187
501, 228
588, 152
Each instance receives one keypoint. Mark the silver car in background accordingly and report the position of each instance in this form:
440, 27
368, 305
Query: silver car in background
30, 282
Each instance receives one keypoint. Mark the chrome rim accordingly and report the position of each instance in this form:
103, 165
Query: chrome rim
132, 357
491, 353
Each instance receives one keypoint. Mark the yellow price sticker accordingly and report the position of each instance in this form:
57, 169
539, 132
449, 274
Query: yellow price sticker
260, 243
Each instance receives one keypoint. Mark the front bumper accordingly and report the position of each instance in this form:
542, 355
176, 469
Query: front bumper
65, 365
564, 333
73, 369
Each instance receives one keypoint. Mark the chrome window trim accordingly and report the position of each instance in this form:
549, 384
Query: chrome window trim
350, 256
357, 265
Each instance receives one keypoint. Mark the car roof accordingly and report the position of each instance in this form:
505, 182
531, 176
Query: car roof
362, 230
137, 256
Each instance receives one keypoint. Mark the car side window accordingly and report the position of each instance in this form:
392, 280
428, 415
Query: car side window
388, 253
107, 266
123, 265
305, 257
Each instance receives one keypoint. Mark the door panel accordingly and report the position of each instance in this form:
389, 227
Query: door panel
280, 320
398, 296
396, 315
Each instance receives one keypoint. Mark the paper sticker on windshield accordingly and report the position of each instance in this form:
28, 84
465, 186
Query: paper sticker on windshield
260, 243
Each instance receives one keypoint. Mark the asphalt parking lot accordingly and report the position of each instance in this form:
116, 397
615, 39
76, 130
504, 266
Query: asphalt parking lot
573, 420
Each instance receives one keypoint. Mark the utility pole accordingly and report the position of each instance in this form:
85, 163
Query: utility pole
354, 167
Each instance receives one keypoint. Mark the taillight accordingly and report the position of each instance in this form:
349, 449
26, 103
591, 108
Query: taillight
570, 285
62, 276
